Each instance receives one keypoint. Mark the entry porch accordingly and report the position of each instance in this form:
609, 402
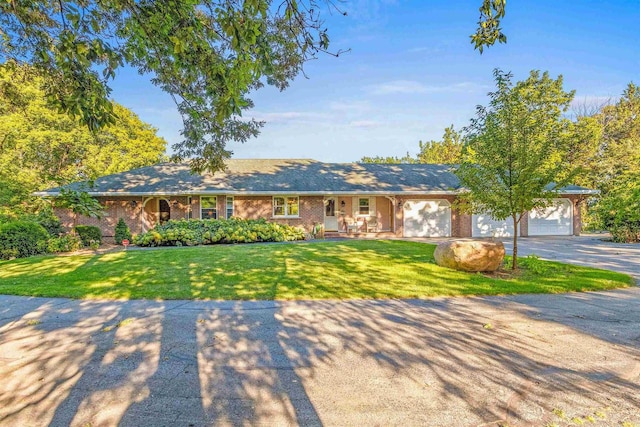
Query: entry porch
359, 214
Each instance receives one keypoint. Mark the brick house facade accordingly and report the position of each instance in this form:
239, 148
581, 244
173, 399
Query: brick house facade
395, 200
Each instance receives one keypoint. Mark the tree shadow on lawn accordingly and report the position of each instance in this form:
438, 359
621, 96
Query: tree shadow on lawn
278, 271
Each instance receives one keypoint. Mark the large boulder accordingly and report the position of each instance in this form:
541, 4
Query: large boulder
471, 255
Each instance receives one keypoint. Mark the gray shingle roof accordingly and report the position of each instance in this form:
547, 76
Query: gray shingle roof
287, 176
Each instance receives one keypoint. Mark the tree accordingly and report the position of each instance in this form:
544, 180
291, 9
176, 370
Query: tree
208, 55
619, 145
121, 232
80, 203
615, 167
489, 31
41, 148
515, 158
388, 160
619, 209
447, 151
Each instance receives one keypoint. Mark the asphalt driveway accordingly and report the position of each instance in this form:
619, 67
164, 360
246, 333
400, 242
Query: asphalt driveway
521, 360
518, 360
590, 250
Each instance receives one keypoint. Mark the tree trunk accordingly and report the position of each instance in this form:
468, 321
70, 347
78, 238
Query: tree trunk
514, 262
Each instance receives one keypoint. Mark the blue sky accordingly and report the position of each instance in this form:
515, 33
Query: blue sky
411, 72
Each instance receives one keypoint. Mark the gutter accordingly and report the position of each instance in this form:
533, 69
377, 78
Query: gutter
285, 193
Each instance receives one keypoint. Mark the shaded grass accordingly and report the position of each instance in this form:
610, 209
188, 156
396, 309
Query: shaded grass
310, 270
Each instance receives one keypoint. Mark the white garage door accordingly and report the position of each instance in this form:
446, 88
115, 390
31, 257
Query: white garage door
484, 225
427, 218
556, 220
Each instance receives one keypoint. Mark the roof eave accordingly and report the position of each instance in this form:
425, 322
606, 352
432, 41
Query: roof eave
254, 193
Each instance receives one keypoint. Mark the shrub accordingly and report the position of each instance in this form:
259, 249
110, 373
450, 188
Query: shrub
619, 211
66, 243
122, 232
50, 222
21, 239
211, 231
89, 234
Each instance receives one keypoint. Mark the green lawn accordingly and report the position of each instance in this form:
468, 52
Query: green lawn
313, 270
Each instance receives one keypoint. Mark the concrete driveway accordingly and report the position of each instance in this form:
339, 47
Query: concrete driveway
521, 360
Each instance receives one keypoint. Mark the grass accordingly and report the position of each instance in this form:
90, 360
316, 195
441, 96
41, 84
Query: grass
310, 270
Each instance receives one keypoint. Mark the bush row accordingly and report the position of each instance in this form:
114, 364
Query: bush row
20, 239
89, 234
211, 231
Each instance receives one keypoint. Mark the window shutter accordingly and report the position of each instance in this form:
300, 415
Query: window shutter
354, 206
372, 207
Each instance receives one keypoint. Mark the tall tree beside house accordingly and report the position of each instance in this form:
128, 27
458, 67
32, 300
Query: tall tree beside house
446, 151
42, 148
615, 171
516, 153
619, 146
208, 55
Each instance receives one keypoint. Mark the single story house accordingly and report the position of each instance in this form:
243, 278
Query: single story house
403, 200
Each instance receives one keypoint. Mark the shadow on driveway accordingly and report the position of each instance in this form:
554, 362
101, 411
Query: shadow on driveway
448, 361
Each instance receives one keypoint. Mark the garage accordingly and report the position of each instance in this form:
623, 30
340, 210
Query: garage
484, 225
555, 220
427, 218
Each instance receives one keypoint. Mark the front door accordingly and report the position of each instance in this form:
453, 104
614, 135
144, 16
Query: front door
330, 217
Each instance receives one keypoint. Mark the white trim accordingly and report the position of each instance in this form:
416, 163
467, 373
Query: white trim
291, 193
226, 206
216, 205
286, 210
262, 193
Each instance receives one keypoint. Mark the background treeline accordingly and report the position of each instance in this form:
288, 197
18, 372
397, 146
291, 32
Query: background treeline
41, 148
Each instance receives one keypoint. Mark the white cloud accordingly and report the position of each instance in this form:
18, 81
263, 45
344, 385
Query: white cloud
350, 106
287, 116
364, 123
415, 87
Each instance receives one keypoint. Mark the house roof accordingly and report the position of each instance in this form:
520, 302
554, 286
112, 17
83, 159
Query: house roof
285, 176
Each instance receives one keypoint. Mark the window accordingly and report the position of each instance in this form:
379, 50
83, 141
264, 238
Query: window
208, 208
363, 207
229, 207
285, 206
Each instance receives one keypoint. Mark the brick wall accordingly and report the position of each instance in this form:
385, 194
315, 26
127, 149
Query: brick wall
311, 209
115, 208
576, 202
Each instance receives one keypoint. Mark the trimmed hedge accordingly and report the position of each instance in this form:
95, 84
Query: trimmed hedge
89, 234
20, 239
212, 231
